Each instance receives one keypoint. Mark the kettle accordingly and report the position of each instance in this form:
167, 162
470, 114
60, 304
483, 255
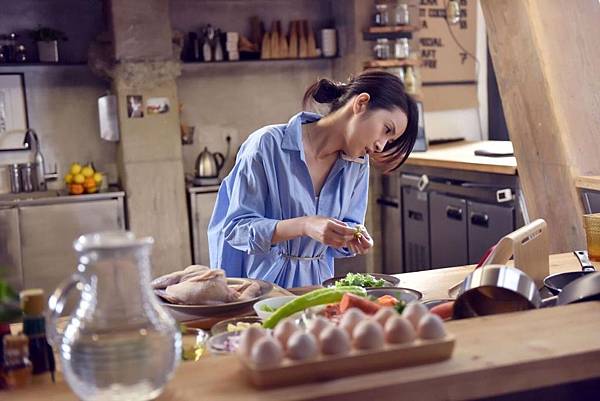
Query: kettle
208, 165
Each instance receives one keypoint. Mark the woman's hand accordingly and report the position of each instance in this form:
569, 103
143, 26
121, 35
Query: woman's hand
361, 243
328, 231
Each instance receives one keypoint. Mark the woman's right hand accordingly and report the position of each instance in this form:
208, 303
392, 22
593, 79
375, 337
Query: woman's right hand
328, 231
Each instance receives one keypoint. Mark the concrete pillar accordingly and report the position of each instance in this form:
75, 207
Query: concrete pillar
149, 154
546, 57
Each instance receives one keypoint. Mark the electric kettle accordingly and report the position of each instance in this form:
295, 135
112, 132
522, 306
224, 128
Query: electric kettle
208, 164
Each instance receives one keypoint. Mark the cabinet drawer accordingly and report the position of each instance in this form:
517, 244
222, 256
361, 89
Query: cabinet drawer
448, 230
415, 223
486, 225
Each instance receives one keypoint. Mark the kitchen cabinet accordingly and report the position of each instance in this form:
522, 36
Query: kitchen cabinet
11, 267
486, 223
48, 232
415, 220
202, 202
449, 243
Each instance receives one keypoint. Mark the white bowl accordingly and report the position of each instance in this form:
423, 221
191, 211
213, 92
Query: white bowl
274, 302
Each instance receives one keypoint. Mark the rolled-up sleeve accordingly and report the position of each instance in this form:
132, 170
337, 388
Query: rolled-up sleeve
357, 209
246, 227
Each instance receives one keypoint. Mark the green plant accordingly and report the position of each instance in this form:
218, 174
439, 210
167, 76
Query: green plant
46, 34
10, 310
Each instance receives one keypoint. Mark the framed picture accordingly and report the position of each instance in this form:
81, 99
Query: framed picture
13, 111
421, 142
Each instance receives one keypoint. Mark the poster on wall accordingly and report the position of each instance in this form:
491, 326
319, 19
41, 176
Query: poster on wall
447, 50
13, 112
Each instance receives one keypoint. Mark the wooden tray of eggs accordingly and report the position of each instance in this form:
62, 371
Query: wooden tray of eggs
357, 344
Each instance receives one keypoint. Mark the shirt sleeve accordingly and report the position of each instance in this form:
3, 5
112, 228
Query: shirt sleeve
246, 226
357, 209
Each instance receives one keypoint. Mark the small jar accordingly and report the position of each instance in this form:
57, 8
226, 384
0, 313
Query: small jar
382, 17
402, 17
382, 49
401, 48
17, 366
410, 81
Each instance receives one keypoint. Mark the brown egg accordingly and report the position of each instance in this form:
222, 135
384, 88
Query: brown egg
368, 334
414, 311
266, 352
284, 330
399, 330
350, 319
302, 346
384, 314
431, 327
334, 341
248, 338
317, 325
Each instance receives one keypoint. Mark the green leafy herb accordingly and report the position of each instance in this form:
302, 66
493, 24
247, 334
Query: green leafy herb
267, 308
361, 280
400, 306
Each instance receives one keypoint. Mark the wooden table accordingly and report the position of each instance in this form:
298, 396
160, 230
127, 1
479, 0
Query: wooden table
494, 355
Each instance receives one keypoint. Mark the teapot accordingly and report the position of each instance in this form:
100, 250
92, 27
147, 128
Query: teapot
208, 164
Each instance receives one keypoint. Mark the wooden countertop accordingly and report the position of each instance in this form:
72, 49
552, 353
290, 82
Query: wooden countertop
591, 182
461, 156
494, 355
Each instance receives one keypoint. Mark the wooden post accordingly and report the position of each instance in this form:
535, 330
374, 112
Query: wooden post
547, 58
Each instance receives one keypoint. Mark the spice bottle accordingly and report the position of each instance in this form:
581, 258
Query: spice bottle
382, 49
17, 366
402, 16
34, 327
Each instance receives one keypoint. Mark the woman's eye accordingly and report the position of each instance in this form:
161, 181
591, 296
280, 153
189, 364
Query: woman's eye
388, 130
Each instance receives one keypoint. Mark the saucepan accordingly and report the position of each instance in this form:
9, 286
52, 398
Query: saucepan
585, 288
494, 289
556, 282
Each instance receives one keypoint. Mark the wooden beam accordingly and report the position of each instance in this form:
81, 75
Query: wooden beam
546, 57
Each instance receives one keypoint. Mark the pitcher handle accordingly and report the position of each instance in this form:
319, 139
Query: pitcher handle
56, 304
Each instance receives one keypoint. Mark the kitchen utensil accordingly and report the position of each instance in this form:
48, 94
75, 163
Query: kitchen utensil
495, 289
15, 179
107, 116
28, 180
391, 281
556, 282
401, 294
329, 42
210, 310
586, 288
591, 223
293, 46
528, 245
208, 165
120, 338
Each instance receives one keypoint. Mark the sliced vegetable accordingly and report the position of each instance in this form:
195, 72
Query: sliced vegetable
317, 297
267, 308
444, 310
387, 300
361, 280
350, 300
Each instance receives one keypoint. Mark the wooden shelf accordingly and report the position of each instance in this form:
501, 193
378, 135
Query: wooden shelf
37, 64
200, 65
392, 63
389, 32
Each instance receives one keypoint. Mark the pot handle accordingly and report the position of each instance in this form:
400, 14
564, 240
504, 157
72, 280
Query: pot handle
219, 159
56, 304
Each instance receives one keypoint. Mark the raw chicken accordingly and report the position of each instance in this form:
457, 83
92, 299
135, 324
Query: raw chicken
203, 288
178, 276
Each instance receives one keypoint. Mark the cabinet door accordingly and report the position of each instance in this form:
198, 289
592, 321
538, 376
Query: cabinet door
204, 204
415, 224
391, 221
487, 224
48, 232
448, 230
10, 248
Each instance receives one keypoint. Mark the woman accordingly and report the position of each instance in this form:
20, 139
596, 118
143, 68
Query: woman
297, 191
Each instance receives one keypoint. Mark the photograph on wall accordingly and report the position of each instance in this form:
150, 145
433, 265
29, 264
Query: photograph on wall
13, 110
135, 106
157, 105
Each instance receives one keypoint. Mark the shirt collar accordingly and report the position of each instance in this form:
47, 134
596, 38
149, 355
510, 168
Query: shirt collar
292, 139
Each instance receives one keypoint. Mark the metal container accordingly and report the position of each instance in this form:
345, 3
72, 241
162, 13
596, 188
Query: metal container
15, 179
28, 181
494, 289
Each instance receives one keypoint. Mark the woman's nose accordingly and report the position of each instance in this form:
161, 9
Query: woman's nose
380, 145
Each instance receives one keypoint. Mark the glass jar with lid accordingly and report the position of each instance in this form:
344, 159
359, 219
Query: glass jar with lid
401, 49
402, 16
382, 49
381, 17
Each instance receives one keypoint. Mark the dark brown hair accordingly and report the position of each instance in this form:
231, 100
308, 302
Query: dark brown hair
387, 92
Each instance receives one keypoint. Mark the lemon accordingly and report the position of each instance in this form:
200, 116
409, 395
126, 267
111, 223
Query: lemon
75, 168
87, 171
98, 178
79, 178
68, 178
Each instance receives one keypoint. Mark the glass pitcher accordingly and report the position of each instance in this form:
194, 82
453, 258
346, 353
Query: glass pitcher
120, 344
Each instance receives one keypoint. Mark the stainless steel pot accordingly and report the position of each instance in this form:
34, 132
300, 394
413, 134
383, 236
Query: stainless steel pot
494, 289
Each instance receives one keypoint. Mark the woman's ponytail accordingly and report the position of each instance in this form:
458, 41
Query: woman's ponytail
323, 91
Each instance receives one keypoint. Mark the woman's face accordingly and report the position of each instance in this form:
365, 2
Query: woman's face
369, 131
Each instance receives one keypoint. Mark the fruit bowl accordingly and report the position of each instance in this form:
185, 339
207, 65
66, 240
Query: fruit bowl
83, 179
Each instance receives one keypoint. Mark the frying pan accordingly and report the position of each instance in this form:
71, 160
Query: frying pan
556, 282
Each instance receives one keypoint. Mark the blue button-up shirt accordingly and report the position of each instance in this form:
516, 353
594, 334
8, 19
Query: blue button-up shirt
271, 182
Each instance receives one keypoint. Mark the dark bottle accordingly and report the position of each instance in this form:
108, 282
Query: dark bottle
34, 327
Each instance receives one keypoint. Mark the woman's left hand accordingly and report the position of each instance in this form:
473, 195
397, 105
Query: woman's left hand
362, 243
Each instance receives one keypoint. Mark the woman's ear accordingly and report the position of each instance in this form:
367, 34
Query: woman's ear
360, 103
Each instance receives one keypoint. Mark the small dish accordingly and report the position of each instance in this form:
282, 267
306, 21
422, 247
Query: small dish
222, 326
390, 281
274, 302
224, 343
401, 294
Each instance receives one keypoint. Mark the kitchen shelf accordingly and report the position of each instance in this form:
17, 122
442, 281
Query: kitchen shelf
199, 65
37, 64
391, 63
390, 32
